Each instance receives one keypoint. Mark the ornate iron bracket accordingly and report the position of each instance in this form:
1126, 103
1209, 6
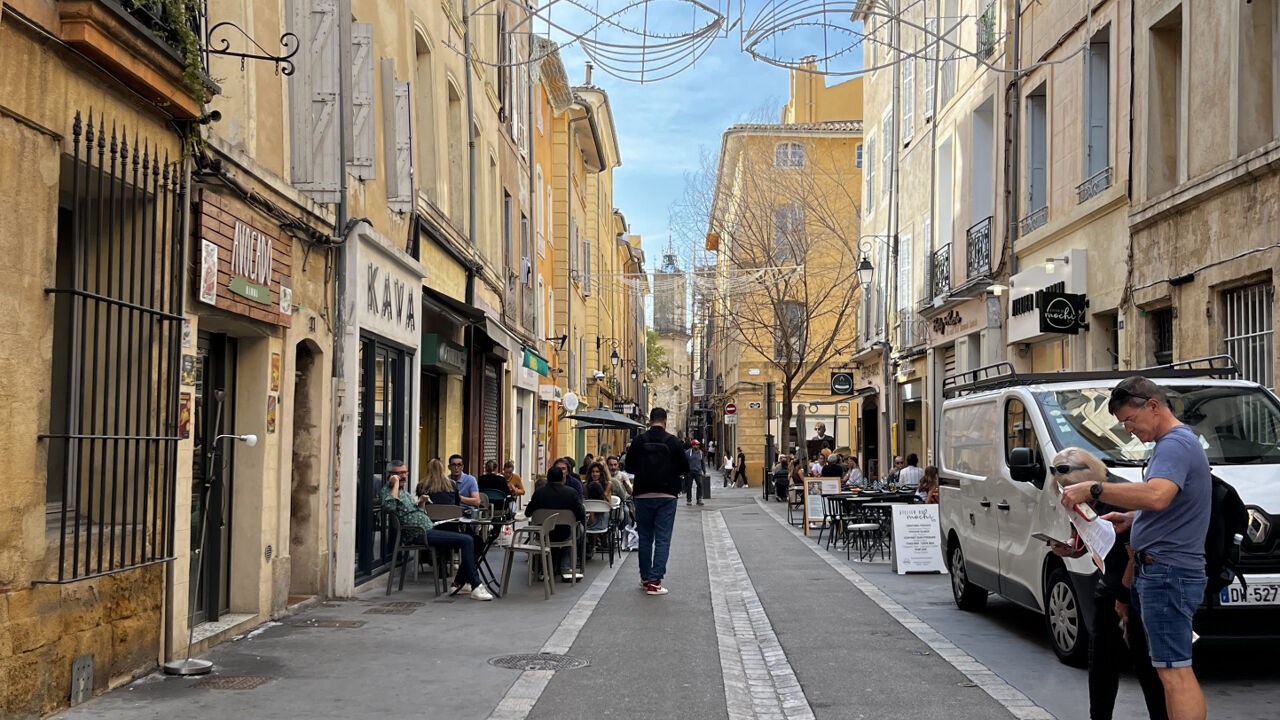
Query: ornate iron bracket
284, 63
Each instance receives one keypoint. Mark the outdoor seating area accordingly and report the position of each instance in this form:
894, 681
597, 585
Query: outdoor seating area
860, 520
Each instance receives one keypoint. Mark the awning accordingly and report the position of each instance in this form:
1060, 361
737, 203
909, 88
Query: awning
605, 417
536, 363
456, 310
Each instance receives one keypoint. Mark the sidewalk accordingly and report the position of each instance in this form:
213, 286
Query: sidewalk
412, 654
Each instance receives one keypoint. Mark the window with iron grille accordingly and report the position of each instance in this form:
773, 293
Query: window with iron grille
1162, 335
1250, 333
113, 426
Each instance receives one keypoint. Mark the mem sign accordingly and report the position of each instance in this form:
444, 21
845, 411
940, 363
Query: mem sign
1063, 312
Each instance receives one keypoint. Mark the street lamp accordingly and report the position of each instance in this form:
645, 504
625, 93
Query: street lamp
865, 271
614, 359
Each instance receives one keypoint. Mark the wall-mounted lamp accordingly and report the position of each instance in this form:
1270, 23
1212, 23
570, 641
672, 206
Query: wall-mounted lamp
865, 271
1049, 263
559, 340
996, 289
614, 359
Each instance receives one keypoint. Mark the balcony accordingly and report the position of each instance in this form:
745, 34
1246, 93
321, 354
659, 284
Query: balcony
911, 330
145, 47
987, 31
1094, 185
978, 251
940, 271
1034, 221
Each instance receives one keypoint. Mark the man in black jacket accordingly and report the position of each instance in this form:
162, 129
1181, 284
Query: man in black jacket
555, 495
657, 461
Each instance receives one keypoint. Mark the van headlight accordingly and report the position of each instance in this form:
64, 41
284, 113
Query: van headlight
1259, 526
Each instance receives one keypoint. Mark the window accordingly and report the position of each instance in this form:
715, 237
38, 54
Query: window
426, 111
946, 183
982, 178
951, 38
1020, 433
456, 141
788, 235
586, 264
987, 24
969, 438
1249, 332
904, 271
1162, 335
539, 211
397, 139
789, 338
908, 99
886, 157
1036, 150
788, 155
858, 156
1257, 72
930, 65
508, 257
360, 150
1164, 102
871, 173
1096, 104
871, 40
313, 93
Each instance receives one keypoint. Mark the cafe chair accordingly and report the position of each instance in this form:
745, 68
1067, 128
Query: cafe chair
862, 533
410, 550
601, 506
552, 519
532, 540
501, 504
832, 520
439, 566
795, 503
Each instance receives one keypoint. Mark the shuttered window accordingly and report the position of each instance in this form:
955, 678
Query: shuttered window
396, 139
492, 431
930, 64
313, 100
908, 100
360, 163
1250, 332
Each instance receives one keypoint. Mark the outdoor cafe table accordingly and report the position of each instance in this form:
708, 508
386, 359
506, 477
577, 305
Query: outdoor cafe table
473, 526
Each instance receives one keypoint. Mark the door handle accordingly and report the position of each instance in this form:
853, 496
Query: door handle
984, 503
1003, 505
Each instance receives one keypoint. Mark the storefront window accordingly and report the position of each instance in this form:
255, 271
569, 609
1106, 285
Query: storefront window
381, 437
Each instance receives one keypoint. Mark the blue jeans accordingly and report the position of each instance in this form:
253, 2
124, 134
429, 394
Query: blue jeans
464, 544
1167, 598
655, 517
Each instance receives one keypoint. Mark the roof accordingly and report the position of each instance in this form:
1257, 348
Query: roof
832, 126
547, 67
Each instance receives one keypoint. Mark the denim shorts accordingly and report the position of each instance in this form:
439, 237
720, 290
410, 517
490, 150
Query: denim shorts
1167, 598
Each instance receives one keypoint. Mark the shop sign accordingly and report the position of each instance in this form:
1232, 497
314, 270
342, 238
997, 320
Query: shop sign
1032, 291
536, 363
841, 382
244, 265
526, 379
1063, 312
443, 355
388, 283
698, 386
550, 393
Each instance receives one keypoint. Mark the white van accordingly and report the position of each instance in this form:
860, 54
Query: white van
998, 432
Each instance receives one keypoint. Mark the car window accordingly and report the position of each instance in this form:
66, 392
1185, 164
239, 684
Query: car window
969, 443
1020, 432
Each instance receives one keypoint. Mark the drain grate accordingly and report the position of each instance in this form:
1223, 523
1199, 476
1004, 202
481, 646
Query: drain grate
403, 604
539, 661
231, 683
326, 623
390, 611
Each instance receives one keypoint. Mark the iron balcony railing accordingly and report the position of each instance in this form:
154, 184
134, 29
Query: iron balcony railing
926, 295
911, 330
987, 31
161, 19
1100, 181
978, 252
1034, 221
940, 271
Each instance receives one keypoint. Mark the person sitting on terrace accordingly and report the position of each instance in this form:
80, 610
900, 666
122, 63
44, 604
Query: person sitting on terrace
416, 526
468, 489
436, 487
555, 495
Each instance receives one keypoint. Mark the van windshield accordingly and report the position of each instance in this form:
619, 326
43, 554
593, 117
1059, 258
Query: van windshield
1236, 425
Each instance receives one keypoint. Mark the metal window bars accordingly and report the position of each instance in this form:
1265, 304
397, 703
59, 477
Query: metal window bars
1100, 181
113, 439
1034, 220
978, 250
940, 277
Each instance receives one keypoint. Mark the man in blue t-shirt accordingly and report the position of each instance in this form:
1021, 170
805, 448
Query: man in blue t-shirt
1169, 525
466, 485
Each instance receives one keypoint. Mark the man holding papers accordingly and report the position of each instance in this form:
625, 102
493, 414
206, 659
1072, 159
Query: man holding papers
1169, 526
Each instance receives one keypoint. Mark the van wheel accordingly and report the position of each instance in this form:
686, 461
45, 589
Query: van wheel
967, 595
1065, 620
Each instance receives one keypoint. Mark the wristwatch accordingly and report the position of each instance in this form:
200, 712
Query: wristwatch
1096, 490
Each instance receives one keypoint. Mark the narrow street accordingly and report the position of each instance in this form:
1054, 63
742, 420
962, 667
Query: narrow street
758, 624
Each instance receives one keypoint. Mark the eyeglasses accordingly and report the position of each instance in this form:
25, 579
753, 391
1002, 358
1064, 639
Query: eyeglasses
399, 472
455, 464
1066, 469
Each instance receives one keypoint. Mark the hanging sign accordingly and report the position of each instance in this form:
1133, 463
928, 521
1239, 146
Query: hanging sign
1062, 312
251, 265
841, 382
917, 541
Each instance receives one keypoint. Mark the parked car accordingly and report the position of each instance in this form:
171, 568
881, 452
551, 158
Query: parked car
1000, 429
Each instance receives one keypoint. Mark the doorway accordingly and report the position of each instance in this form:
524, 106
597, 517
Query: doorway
212, 464
382, 436
304, 490
870, 432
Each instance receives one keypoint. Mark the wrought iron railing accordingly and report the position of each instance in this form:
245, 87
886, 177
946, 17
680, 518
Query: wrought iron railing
114, 410
978, 250
1100, 181
926, 295
940, 272
987, 31
158, 17
1034, 221
911, 330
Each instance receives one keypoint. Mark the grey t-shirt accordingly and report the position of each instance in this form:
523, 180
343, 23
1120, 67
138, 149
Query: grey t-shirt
1175, 535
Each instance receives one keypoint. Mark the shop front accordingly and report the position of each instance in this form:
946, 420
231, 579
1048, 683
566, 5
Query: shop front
527, 441
1047, 312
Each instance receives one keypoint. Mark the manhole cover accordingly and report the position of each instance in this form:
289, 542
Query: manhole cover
318, 623
231, 683
390, 611
539, 661
403, 604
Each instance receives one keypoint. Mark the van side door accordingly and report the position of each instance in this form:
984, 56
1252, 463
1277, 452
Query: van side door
1017, 504
969, 464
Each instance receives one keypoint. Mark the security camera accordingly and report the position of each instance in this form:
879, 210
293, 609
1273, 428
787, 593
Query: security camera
597, 375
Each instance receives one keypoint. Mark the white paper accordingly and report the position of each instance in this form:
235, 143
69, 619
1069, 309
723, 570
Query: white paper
1099, 536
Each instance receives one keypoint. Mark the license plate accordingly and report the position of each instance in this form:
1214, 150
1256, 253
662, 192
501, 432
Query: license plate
1254, 594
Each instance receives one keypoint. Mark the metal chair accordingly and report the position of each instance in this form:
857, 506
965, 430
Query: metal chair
552, 519
399, 545
440, 513
601, 507
536, 543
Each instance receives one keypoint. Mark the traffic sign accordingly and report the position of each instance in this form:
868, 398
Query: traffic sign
730, 408
730, 419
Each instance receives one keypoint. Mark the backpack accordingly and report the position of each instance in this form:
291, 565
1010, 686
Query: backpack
1228, 520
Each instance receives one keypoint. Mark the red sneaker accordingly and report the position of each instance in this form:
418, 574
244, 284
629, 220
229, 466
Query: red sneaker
655, 588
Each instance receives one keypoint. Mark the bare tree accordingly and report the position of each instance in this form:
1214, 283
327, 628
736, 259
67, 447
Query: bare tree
786, 221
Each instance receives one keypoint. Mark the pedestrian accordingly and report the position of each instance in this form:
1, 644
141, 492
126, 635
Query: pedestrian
657, 461
727, 469
1168, 521
1117, 640
697, 477
909, 476
740, 470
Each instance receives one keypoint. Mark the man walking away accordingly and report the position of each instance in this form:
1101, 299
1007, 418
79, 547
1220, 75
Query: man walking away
740, 470
657, 461
909, 476
1169, 527
697, 476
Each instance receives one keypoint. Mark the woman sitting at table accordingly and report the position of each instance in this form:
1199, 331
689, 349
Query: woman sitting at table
927, 490
854, 477
598, 487
415, 525
436, 485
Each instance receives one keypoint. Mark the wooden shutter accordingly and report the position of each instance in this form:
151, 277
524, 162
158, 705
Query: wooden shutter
397, 139
908, 100
930, 64
1098, 61
360, 163
315, 164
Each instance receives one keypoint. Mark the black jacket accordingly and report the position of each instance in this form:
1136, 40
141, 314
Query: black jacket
657, 460
556, 496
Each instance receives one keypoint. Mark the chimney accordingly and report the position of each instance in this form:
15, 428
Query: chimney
589, 69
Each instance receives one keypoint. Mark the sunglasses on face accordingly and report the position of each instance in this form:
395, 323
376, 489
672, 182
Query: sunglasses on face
1066, 469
